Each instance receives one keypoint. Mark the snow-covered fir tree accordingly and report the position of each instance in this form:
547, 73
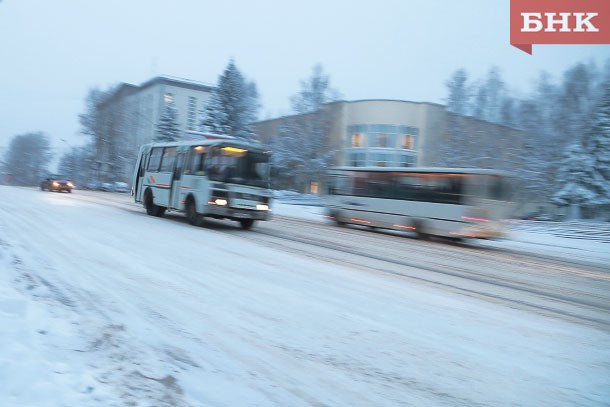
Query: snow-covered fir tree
575, 167
596, 143
168, 128
233, 106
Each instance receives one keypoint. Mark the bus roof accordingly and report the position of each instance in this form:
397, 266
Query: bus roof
188, 143
429, 170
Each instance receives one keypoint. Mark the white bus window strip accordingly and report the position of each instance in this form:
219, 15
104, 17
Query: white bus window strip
449, 202
218, 179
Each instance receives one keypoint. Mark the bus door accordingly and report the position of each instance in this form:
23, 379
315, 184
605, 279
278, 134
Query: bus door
139, 175
160, 174
177, 180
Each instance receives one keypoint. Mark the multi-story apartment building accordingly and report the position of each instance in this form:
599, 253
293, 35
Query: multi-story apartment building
128, 119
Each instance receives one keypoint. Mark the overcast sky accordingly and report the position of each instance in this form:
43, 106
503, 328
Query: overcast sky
53, 52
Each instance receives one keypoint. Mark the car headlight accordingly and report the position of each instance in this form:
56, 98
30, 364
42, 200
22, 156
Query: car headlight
262, 207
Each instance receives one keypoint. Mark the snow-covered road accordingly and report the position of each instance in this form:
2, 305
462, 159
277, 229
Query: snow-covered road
103, 305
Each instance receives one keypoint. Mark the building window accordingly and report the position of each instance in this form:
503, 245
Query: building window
357, 140
381, 159
192, 113
407, 160
381, 140
168, 98
394, 139
356, 159
408, 142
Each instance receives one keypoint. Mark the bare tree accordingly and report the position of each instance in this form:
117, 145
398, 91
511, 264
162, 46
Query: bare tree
28, 157
453, 149
301, 149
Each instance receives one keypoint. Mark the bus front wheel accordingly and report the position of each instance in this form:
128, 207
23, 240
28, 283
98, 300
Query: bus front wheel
151, 208
246, 224
192, 216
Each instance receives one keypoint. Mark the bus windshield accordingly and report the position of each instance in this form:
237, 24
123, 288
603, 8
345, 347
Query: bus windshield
236, 165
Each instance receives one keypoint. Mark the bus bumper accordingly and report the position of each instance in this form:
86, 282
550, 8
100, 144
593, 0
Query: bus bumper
238, 213
487, 231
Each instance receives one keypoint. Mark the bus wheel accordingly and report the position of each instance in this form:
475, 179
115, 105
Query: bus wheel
151, 208
192, 216
420, 230
246, 224
338, 219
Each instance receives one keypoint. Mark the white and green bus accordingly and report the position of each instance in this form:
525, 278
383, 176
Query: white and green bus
449, 202
221, 179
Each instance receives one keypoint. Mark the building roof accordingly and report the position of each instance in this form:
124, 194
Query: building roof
127, 89
179, 82
338, 102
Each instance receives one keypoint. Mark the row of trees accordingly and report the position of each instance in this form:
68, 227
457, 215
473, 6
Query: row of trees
558, 122
563, 155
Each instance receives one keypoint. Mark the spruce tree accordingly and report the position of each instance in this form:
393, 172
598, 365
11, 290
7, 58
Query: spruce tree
168, 128
574, 169
596, 143
233, 106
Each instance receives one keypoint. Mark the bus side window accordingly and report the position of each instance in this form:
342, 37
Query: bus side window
169, 157
155, 159
199, 164
179, 166
195, 161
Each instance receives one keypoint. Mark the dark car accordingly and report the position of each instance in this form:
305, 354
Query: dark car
56, 184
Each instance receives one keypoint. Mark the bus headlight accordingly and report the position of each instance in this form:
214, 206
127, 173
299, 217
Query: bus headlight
262, 207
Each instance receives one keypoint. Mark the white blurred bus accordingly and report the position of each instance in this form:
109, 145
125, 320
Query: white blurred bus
449, 202
222, 179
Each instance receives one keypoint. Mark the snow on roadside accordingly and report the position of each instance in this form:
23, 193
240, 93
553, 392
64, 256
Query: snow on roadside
55, 352
587, 242
38, 341
47, 361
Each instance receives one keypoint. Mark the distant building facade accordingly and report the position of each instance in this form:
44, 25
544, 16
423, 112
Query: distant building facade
396, 133
128, 119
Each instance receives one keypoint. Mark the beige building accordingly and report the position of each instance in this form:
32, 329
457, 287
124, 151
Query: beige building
128, 119
395, 133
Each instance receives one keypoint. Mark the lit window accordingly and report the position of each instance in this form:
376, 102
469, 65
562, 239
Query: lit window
168, 98
357, 140
407, 142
